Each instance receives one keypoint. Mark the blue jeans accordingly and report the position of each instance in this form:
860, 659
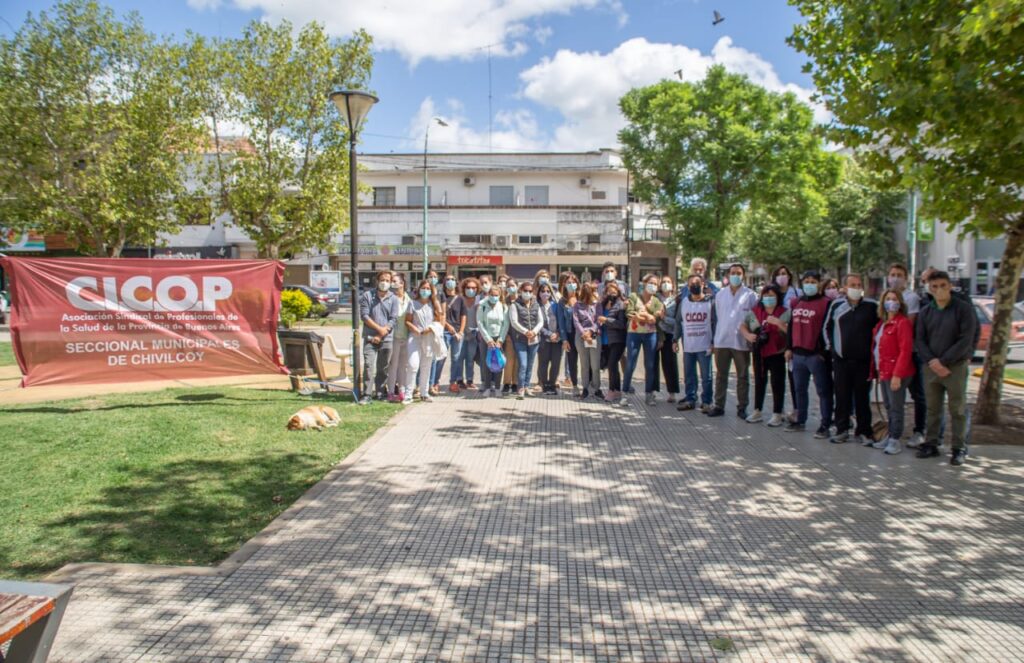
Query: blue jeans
805, 366
691, 360
526, 353
467, 358
649, 341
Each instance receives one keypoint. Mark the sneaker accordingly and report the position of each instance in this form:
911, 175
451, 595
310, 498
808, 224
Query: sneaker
821, 433
623, 400
505, 389
599, 395
927, 451
685, 405
584, 395
776, 420
469, 385
407, 400
715, 412
862, 440
705, 408
881, 444
792, 416
427, 399
840, 438
650, 398
793, 427
893, 447
671, 398
394, 398
755, 418
521, 394
365, 400
741, 414
453, 388
959, 456
915, 441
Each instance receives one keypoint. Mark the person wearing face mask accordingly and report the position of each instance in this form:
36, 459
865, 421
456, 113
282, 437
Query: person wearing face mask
765, 327
731, 307
465, 307
454, 327
437, 365
550, 352
400, 354
805, 350
608, 274
379, 312
699, 267
567, 328
510, 376
783, 277
666, 339
542, 277
423, 311
695, 328
492, 322
898, 279
432, 277
642, 315
611, 316
526, 324
830, 288
892, 364
588, 342
848, 327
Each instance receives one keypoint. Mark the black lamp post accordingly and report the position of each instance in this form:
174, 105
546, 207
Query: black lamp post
354, 107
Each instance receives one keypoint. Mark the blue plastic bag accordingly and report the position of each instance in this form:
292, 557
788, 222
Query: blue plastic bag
495, 359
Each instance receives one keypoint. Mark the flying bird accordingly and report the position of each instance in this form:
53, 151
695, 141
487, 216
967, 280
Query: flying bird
679, 73
718, 18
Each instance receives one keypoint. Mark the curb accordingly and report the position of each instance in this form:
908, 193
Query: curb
1016, 383
78, 571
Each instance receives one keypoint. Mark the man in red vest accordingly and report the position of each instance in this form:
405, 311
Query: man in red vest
806, 350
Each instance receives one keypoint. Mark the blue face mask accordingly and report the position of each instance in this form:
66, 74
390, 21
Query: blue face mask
810, 289
543, 280
570, 287
512, 290
424, 293
651, 288
433, 280
493, 299
526, 296
769, 302
450, 284
735, 280
892, 306
471, 292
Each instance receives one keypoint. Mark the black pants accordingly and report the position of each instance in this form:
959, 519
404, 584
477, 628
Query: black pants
610, 356
572, 363
549, 361
669, 365
771, 369
853, 391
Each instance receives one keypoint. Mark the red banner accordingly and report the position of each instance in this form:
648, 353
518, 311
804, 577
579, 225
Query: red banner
97, 320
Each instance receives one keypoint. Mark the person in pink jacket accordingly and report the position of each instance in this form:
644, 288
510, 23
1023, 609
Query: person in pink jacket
892, 363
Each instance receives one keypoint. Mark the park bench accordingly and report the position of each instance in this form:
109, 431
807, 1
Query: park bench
30, 615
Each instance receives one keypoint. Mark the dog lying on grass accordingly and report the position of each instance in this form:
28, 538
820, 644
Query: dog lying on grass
314, 417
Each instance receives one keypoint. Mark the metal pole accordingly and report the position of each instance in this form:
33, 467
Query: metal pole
426, 202
849, 256
353, 191
912, 230
629, 232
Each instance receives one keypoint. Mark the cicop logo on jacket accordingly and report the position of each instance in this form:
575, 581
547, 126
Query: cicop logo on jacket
696, 316
89, 294
803, 312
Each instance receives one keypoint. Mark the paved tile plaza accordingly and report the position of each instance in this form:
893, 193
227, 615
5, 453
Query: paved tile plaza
549, 530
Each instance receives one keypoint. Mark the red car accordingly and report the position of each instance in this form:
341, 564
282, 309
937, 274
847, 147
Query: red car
984, 308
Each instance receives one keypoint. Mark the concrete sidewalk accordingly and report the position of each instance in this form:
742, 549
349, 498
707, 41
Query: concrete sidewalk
553, 530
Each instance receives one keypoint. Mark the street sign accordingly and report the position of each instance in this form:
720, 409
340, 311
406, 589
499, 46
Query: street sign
925, 230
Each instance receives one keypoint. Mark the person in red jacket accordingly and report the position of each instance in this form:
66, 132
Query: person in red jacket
892, 363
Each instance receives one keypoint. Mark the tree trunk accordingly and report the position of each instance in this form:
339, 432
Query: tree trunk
270, 251
991, 390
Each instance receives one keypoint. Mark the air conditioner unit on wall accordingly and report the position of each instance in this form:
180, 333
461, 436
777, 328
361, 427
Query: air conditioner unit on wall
572, 245
584, 181
468, 180
503, 241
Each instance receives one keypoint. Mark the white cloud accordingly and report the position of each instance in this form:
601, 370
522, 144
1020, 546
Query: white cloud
203, 5
514, 130
585, 87
419, 29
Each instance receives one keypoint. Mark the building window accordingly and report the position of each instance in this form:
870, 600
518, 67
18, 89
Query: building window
537, 195
383, 196
503, 196
594, 239
474, 239
598, 195
414, 195
408, 240
530, 239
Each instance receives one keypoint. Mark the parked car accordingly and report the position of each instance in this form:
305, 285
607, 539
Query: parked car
984, 308
318, 296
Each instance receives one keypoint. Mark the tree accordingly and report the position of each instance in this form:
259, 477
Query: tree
933, 92
701, 152
805, 228
95, 124
286, 184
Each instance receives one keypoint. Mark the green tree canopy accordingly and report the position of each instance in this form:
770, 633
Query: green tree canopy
702, 152
286, 183
933, 92
95, 124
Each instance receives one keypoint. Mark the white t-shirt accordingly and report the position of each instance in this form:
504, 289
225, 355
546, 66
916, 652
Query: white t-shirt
731, 310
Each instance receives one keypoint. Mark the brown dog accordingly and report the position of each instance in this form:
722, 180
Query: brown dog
314, 417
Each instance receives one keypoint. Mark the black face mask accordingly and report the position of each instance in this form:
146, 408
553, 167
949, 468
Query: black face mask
695, 288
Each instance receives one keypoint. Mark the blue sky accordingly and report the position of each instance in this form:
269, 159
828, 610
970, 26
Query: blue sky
557, 66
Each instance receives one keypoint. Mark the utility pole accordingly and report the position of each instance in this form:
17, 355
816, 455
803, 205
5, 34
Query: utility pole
426, 193
912, 237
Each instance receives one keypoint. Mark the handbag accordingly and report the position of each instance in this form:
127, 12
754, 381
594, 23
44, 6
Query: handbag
495, 359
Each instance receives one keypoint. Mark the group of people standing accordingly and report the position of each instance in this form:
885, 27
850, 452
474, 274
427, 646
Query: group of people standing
791, 331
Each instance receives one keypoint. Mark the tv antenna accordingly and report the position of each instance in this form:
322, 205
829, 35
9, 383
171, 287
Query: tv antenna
490, 96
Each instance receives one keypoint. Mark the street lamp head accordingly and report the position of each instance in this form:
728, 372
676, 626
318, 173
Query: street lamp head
354, 107
848, 233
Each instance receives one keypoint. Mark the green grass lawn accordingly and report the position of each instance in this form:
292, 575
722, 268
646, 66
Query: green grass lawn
1014, 374
7, 355
182, 476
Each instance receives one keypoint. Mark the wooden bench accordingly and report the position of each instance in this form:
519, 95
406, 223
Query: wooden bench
30, 615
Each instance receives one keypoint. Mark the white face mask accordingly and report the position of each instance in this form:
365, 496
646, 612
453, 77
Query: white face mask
855, 294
